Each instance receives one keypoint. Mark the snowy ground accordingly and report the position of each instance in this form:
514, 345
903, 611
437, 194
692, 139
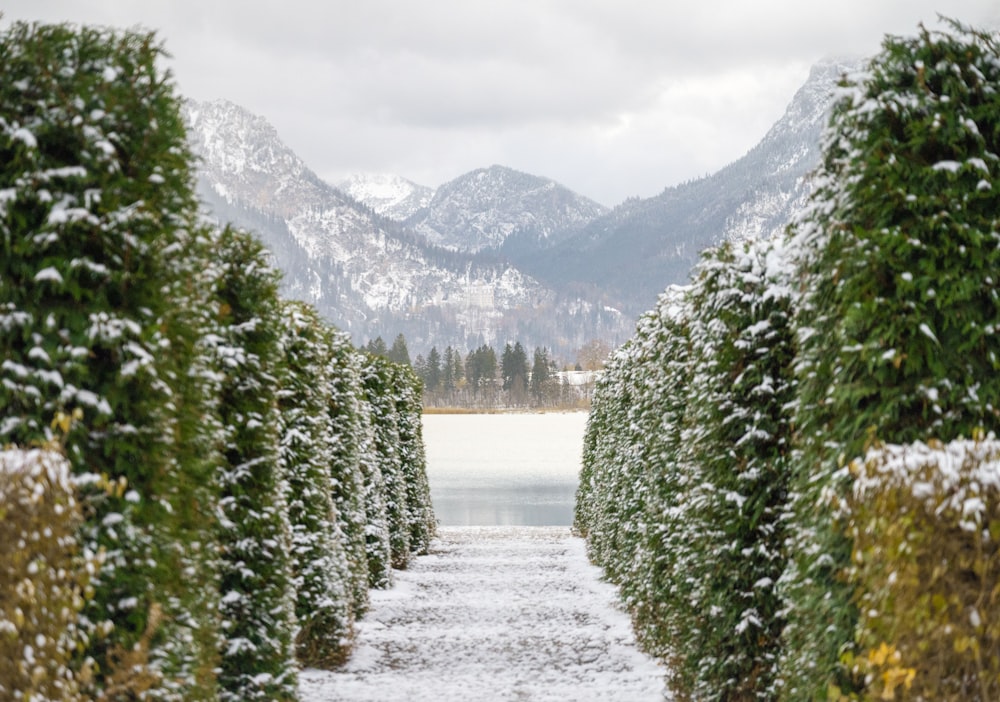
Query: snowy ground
494, 613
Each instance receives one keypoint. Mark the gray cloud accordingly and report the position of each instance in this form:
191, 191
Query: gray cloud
610, 98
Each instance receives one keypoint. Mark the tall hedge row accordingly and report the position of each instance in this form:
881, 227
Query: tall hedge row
763, 548
257, 607
224, 445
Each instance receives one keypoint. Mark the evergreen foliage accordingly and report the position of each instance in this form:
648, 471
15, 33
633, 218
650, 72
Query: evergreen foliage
420, 521
399, 353
541, 372
319, 560
432, 370
514, 368
378, 549
348, 432
450, 381
378, 376
737, 437
897, 324
725, 484
684, 471
256, 606
481, 367
626, 503
98, 221
227, 451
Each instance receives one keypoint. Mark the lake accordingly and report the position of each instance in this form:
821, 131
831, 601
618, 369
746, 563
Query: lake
504, 469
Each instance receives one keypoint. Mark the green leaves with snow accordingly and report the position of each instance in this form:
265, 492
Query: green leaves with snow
714, 483
898, 317
223, 443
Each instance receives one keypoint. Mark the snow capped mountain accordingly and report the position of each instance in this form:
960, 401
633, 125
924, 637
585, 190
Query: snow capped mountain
787, 153
390, 195
484, 208
366, 273
495, 254
635, 251
244, 160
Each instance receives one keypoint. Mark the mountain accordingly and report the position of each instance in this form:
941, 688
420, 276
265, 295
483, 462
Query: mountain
634, 252
490, 207
389, 195
495, 254
365, 272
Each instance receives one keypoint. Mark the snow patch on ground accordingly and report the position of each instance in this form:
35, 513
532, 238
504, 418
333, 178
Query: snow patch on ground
495, 613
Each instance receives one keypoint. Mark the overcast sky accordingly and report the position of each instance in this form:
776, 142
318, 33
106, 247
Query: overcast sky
611, 98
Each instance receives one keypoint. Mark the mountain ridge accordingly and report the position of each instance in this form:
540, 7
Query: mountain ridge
643, 245
390, 195
481, 209
364, 272
495, 254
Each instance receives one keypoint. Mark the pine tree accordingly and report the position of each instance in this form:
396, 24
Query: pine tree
514, 367
399, 353
539, 373
377, 347
433, 377
420, 367
448, 370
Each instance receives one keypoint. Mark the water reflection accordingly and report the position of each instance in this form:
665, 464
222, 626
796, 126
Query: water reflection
539, 505
504, 469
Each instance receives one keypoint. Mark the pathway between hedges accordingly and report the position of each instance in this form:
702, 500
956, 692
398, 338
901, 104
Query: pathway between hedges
494, 613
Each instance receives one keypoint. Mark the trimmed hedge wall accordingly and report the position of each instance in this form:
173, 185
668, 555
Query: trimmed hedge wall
233, 471
733, 482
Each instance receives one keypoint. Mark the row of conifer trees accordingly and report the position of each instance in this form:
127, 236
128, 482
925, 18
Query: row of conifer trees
200, 481
764, 474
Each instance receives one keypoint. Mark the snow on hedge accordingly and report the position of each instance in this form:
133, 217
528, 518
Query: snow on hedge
716, 488
924, 519
150, 347
43, 576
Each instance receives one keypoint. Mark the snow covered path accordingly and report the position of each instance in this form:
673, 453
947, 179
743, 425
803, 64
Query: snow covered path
494, 613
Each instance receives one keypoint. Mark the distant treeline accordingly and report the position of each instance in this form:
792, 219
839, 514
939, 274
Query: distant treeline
199, 481
483, 381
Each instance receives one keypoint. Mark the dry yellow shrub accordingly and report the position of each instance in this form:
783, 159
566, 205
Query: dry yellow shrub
925, 521
42, 577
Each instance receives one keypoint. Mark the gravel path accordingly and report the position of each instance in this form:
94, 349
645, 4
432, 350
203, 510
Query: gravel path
494, 613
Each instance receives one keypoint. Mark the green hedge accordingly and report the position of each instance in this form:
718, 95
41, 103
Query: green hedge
256, 586
685, 474
227, 451
319, 560
99, 229
897, 322
717, 487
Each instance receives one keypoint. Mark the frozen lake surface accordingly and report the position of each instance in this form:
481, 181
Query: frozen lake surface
504, 469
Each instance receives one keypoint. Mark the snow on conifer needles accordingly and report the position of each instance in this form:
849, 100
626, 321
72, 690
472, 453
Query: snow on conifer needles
735, 483
228, 531
494, 613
